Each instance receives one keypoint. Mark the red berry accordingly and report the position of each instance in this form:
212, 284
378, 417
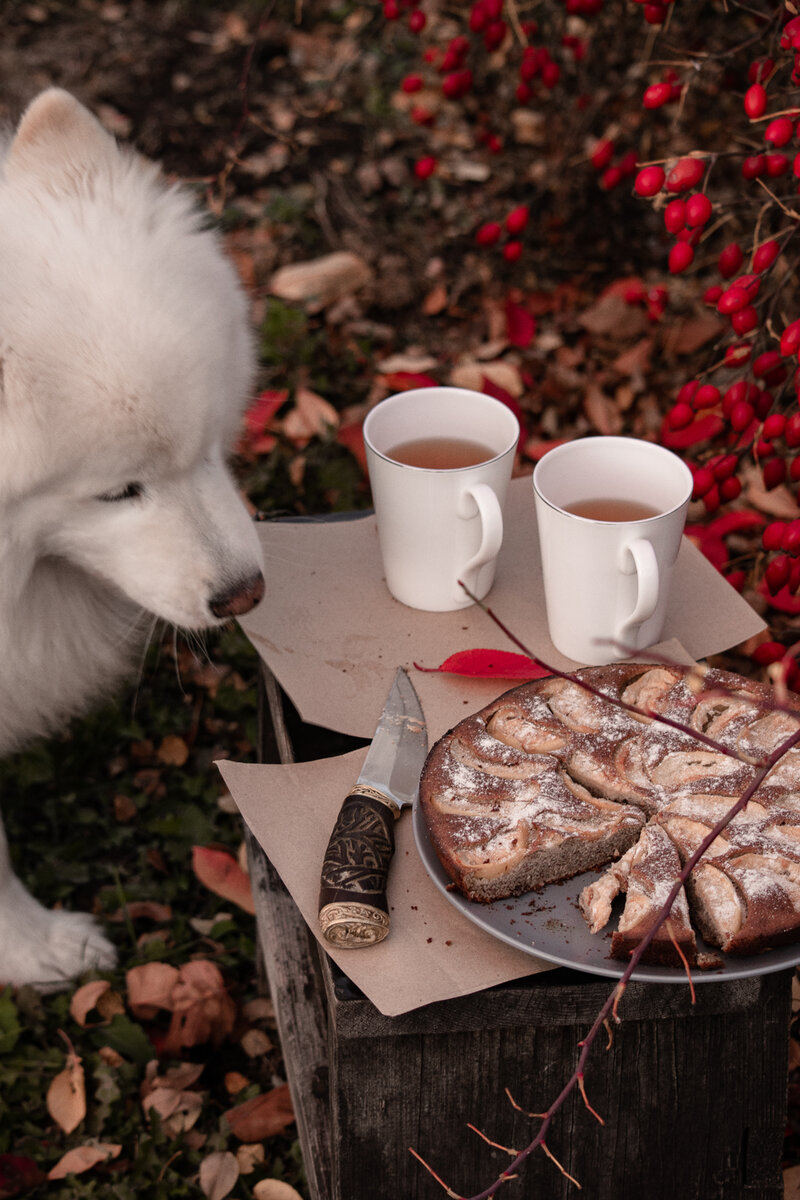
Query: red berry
736, 392
741, 415
796, 165
712, 294
773, 473
744, 320
754, 165
686, 174
730, 260
675, 216
417, 21
774, 425
512, 251
725, 467
551, 73
730, 489
779, 131
517, 219
421, 116
698, 209
755, 100
765, 255
790, 542
777, 573
611, 178
681, 256
790, 339
732, 299
602, 154
792, 431
777, 165
738, 354
424, 167
680, 416
711, 500
657, 94
488, 234
412, 83
772, 535
706, 396
649, 181
768, 366
794, 469
768, 652
391, 10
703, 482
760, 70
655, 14
687, 392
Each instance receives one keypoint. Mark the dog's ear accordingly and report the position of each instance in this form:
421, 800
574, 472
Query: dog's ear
59, 142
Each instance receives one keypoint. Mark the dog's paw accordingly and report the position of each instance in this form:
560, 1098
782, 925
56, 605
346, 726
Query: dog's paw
45, 948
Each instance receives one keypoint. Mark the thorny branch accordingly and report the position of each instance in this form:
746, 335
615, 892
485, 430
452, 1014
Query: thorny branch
609, 1009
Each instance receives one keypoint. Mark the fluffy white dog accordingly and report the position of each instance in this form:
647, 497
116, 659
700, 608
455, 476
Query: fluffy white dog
125, 361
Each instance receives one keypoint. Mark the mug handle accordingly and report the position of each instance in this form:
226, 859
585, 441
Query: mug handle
639, 557
481, 500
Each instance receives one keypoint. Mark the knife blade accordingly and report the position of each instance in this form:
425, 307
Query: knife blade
353, 910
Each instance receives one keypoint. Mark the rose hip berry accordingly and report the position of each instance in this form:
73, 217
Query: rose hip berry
649, 181
698, 209
765, 255
730, 260
681, 256
755, 100
686, 174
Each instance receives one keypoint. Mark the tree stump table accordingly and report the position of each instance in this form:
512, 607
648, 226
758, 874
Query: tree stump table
693, 1096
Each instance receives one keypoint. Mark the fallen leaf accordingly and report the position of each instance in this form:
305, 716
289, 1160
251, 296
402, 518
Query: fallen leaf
520, 325
435, 301
352, 436
489, 664
202, 1010
219, 1172
180, 1077
134, 910
85, 999
150, 988
311, 416
777, 502
18, 1174
274, 1189
635, 360
66, 1096
612, 315
601, 410
249, 1156
791, 1185
408, 364
471, 374
173, 751
221, 874
263, 1116
177, 1110
405, 381
688, 336
83, 1158
321, 281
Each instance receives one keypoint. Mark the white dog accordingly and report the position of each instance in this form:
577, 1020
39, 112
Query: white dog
125, 362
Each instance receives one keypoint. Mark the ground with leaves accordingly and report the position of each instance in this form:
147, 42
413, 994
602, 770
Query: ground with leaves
164, 1079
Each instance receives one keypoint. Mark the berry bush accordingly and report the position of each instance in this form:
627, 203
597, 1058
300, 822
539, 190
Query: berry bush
690, 110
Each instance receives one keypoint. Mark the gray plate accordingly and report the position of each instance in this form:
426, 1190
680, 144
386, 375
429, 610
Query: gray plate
549, 925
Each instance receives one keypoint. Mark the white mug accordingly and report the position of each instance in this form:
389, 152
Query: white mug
439, 524
606, 581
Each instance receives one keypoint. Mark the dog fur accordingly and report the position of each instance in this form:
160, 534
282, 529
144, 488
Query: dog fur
125, 363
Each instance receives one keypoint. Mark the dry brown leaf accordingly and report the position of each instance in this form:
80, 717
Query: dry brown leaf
177, 1110
219, 1172
791, 1184
250, 1156
173, 750
135, 909
150, 988
255, 1042
611, 315
686, 337
778, 503
274, 1189
435, 301
263, 1116
202, 1010
85, 999
235, 1082
179, 1077
83, 1158
322, 280
66, 1096
471, 374
636, 360
407, 362
311, 415
601, 410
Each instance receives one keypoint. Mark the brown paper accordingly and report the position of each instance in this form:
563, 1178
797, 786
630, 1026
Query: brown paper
432, 951
334, 636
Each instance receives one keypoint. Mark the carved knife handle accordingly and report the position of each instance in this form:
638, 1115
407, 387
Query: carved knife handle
352, 899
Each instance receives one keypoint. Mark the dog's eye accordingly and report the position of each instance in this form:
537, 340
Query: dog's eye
130, 492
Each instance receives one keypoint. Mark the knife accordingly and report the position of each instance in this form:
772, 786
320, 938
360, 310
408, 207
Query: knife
352, 900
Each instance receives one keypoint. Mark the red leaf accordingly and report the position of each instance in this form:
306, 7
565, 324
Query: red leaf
221, 874
18, 1174
489, 664
701, 430
263, 409
783, 600
710, 545
352, 437
520, 325
734, 522
405, 381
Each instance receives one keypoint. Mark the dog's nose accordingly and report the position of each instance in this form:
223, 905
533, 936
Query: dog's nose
239, 599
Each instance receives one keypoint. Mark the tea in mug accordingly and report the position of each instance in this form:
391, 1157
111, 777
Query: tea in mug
609, 509
440, 453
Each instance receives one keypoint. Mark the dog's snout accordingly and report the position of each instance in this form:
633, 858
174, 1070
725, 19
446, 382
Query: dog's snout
238, 599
